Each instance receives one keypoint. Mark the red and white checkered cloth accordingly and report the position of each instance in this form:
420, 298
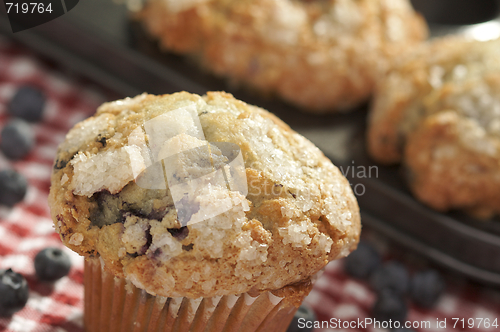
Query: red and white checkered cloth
27, 228
337, 295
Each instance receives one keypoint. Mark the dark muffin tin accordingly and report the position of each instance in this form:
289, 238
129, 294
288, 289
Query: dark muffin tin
97, 40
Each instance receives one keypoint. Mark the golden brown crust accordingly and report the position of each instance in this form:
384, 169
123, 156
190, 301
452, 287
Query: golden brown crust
320, 55
447, 173
438, 112
302, 212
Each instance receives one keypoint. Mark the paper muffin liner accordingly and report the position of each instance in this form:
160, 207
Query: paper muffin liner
113, 304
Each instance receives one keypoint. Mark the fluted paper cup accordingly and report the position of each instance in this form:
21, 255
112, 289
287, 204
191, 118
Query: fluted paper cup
113, 304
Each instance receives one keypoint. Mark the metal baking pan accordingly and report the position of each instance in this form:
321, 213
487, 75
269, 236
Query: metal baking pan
97, 40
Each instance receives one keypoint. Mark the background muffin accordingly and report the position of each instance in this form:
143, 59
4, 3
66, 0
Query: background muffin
299, 213
320, 55
438, 112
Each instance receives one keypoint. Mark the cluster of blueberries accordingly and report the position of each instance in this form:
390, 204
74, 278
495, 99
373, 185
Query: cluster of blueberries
392, 283
17, 139
51, 264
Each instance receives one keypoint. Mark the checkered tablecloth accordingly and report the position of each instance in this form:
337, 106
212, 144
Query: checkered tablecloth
27, 228
337, 295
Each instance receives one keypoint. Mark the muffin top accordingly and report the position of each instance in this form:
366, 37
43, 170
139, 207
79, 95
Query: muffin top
438, 112
200, 196
451, 73
321, 55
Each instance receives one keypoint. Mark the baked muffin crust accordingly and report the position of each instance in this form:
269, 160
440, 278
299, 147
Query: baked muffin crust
299, 212
438, 112
320, 55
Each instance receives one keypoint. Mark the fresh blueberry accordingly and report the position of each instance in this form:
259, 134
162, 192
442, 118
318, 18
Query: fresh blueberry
426, 288
390, 306
28, 103
13, 187
391, 275
17, 139
361, 262
14, 292
52, 264
303, 317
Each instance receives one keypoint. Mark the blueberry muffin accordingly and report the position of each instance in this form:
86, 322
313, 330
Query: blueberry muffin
322, 56
176, 231
438, 112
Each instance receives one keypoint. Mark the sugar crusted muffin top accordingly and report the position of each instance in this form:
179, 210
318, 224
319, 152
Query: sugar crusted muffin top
438, 112
321, 55
451, 73
297, 213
